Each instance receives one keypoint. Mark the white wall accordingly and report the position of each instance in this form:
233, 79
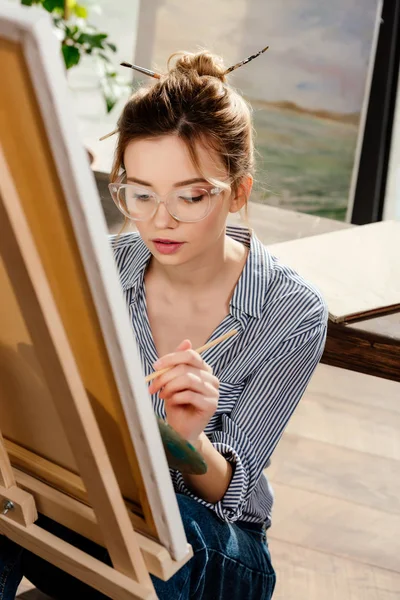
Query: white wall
119, 19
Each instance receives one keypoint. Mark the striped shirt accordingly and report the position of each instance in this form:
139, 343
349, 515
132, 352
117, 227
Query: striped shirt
263, 371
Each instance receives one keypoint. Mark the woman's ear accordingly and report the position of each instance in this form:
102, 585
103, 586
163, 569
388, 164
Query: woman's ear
242, 194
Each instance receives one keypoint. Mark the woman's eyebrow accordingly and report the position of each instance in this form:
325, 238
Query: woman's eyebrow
178, 184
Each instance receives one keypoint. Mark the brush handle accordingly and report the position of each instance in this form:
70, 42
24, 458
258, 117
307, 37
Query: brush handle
220, 339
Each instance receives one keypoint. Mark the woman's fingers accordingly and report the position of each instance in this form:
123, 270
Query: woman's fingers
189, 390
185, 345
205, 384
188, 357
180, 371
197, 401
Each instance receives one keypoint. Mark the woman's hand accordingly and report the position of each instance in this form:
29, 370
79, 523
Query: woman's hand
190, 393
189, 390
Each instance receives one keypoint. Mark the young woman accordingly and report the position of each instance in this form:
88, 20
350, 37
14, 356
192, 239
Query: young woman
184, 161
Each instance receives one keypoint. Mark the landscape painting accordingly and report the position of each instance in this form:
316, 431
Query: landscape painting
307, 90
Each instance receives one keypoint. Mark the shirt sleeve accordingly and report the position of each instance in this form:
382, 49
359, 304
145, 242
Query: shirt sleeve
251, 432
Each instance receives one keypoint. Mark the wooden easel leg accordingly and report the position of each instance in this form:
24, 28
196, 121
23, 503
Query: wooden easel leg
87, 569
17, 525
6, 473
81, 518
17, 504
17, 515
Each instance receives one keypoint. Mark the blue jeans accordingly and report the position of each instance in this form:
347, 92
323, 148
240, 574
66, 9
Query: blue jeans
230, 562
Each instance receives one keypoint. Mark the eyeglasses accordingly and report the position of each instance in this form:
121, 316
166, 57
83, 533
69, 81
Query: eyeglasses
189, 204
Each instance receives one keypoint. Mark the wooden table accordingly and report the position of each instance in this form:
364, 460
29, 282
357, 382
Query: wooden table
369, 346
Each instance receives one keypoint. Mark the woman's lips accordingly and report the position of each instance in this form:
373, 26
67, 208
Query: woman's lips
167, 246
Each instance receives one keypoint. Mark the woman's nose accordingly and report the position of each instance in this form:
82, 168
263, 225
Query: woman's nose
162, 218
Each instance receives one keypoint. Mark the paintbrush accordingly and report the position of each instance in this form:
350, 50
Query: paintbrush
220, 339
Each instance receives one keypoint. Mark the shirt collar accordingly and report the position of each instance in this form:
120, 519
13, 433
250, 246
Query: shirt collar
133, 270
250, 290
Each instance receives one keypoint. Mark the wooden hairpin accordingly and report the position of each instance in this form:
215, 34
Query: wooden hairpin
246, 60
158, 76
141, 70
104, 137
135, 68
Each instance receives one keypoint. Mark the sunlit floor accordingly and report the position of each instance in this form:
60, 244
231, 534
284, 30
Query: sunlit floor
336, 475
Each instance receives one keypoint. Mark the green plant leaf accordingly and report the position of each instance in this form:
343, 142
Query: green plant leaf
83, 38
53, 5
104, 57
58, 22
73, 31
71, 55
97, 40
110, 94
94, 40
77, 38
80, 11
67, 30
112, 88
110, 101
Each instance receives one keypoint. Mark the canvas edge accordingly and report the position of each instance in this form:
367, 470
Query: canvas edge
33, 28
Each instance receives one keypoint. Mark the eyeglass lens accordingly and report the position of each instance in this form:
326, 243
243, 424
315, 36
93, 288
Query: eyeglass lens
188, 204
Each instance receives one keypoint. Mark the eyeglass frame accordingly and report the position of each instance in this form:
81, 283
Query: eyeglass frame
215, 190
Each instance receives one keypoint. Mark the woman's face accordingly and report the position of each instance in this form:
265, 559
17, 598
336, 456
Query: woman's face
161, 165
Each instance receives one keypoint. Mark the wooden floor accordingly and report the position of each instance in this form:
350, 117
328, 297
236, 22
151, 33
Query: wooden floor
336, 476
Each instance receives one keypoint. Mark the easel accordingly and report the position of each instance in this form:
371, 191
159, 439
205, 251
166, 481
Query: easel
129, 579
21, 495
79, 443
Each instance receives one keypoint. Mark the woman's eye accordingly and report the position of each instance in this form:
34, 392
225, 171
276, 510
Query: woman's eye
142, 197
193, 199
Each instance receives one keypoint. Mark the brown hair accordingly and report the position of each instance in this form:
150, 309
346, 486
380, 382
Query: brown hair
194, 102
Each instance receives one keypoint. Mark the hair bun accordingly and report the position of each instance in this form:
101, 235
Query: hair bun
202, 63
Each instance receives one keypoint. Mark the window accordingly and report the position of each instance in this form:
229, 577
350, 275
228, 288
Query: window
307, 90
